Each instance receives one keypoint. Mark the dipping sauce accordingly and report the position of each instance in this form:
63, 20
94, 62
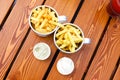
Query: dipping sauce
65, 66
41, 51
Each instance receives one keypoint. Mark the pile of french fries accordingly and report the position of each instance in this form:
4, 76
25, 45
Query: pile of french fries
68, 38
44, 19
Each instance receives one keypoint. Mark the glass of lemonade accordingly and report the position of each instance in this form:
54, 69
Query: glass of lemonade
113, 8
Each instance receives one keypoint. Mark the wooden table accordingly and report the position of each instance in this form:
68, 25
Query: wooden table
99, 60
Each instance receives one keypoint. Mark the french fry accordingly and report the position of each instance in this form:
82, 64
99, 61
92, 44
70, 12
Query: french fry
62, 32
63, 46
71, 40
72, 49
34, 19
55, 23
40, 14
43, 23
59, 42
61, 37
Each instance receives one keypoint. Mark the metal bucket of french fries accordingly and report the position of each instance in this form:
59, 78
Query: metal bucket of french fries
44, 20
69, 38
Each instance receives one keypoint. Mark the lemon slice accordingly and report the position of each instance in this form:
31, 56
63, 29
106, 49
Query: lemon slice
65, 66
41, 51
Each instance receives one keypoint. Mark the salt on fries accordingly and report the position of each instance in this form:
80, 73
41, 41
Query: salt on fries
68, 38
44, 19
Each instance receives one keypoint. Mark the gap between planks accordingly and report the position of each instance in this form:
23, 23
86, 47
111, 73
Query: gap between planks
115, 69
94, 53
7, 15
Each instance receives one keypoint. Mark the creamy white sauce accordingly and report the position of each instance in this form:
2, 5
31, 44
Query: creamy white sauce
65, 66
41, 51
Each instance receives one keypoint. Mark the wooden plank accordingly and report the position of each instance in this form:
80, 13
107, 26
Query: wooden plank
13, 32
67, 8
117, 74
26, 64
92, 18
4, 7
107, 55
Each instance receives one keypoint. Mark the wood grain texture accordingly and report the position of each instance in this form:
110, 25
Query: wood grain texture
26, 64
107, 55
13, 32
4, 7
92, 19
117, 74
65, 7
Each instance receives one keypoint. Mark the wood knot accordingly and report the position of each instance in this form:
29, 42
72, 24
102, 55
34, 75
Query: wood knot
115, 26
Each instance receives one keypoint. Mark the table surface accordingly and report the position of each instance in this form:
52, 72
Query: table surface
99, 60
